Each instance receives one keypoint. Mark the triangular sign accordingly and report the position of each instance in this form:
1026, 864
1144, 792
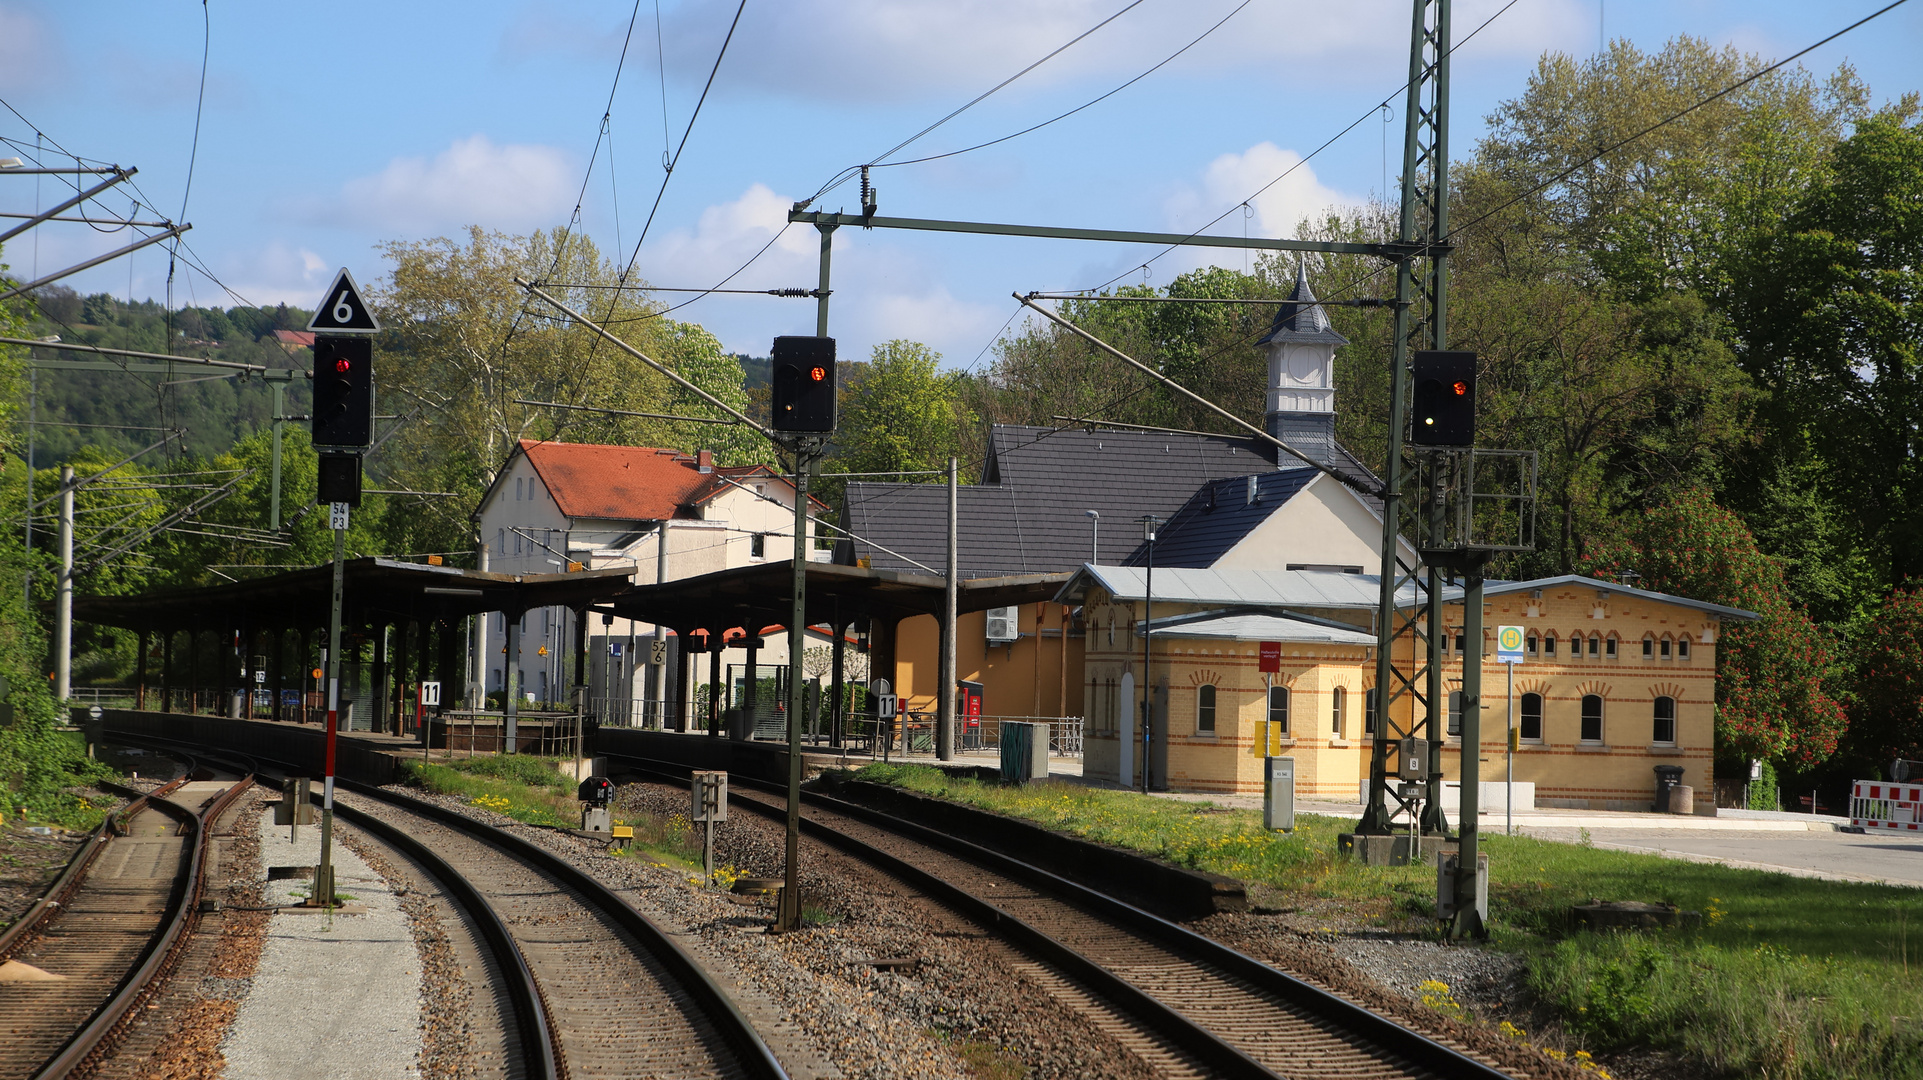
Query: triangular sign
342, 311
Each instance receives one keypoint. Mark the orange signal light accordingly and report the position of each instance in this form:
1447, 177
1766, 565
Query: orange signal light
1461, 388
817, 373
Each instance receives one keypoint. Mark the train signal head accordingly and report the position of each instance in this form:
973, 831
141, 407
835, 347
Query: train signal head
343, 390
803, 390
1445, 399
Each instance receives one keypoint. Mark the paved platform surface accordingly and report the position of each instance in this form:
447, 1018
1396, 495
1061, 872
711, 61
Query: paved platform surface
339, 997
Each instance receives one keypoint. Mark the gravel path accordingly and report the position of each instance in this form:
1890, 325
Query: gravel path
340, 995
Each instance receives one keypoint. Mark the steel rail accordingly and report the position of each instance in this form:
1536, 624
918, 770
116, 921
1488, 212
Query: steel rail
754, 1056
62, 888
1379, 1031
95, 1036
540, 1042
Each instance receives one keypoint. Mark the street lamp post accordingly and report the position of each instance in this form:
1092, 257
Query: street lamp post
1149, 522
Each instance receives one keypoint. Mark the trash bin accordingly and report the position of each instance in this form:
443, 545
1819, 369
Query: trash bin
1667, 777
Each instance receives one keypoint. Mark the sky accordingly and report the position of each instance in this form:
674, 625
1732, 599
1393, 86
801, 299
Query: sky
328, 129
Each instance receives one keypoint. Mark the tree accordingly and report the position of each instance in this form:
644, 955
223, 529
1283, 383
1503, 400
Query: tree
1886, 703
901, 413
1771, 674
1833, 327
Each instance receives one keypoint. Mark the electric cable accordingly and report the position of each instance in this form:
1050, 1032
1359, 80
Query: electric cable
842, 177
1372, 110
1170, 58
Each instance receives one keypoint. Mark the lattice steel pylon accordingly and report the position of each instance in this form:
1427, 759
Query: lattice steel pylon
1406, 655
1458, 505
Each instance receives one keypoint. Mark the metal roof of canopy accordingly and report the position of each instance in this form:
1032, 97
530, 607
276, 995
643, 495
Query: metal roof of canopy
759, 594
374, 590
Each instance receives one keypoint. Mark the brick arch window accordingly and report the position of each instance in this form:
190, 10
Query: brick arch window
1609, 647
1533, 646
1592, 718
1649, 646
1682, 646
1205, 709
1530, 726
1279, 710
1549, 644
1663, 647
1339, 712
1455, 713
1665, 720
1369, 699
1595, 645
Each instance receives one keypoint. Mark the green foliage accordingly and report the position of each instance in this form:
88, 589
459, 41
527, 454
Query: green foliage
1772, 701
525, 788
1763, 791
899, 412
1886, 705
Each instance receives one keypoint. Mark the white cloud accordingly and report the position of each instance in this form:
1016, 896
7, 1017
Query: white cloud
473, 182
30, 54
1232, 178
273, 274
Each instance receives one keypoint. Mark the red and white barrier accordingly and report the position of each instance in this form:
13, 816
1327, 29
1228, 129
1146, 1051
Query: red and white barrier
1877, 805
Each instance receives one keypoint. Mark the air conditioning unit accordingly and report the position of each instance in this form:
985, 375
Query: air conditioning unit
1004, 625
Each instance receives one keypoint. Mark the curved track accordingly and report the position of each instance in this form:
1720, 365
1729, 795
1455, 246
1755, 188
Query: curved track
109, 928
617, 997
1231, 1014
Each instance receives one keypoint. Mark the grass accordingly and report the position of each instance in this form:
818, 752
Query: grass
528, 789
1787, 978
533, 791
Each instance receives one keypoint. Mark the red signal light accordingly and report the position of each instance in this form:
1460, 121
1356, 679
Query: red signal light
817, 373
342, 366
1461, 388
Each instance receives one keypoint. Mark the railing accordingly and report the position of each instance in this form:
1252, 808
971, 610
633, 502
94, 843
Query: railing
1878, 805
104, 696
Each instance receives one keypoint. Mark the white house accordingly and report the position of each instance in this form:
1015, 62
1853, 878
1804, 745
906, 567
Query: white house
556, 506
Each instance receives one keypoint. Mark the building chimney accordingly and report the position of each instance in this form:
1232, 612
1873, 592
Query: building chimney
704, 461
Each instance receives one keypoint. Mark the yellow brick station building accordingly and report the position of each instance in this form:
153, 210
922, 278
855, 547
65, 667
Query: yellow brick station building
1615, 681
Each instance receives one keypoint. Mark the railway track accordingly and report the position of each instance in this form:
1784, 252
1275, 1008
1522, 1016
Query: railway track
1224, 1012
109, 928
597, 990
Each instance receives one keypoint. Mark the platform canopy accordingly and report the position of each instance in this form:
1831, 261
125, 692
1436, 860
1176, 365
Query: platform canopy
375, 591
759, 595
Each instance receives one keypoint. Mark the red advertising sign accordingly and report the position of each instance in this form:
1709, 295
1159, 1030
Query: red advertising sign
1271, 656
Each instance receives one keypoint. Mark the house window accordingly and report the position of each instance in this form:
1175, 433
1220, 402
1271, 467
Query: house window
1530, 729
1459, 643
1592, 718
1665, 648
1595, 644
517, 543
758, 546
1279, 709
1339, 712
1682, 647
518, 482
1455, 713
1549, 645
1609, 647
1205, 709
1111, 628
1369, 711
1533, 645
1665, 729
1649, 647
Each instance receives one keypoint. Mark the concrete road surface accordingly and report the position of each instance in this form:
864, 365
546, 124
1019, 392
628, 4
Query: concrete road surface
1836, 856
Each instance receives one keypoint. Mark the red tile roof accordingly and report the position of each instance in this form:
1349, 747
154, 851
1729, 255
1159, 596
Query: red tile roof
627, 483
303, 339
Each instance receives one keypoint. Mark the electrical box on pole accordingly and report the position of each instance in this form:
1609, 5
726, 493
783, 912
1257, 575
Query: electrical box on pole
1445, 398
803, 390
340, 479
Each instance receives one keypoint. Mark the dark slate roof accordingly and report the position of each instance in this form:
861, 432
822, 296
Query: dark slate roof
1027, 516
1219, 516
1300, 318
